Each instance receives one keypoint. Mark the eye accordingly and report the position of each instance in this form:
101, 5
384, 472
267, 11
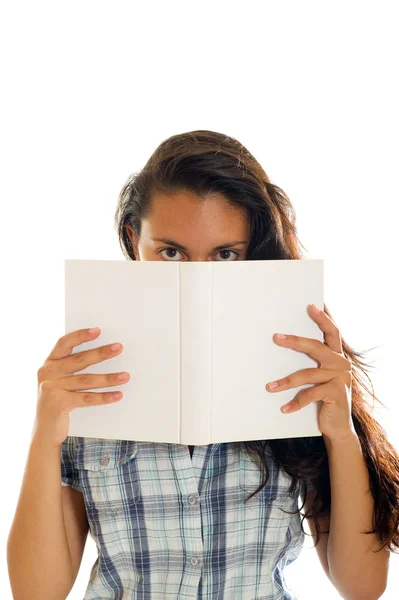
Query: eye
232, 253
168, 250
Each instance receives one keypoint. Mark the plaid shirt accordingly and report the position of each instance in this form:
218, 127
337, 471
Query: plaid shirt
168, 526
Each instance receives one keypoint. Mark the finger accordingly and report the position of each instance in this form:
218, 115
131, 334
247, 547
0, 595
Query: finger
301, 377
65, 400
81, 360
332, 335
78, 361
96, 398
316, 349
325, 392
88, 381
69, 341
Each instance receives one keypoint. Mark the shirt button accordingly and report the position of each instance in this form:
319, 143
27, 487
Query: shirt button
104, 460
192, 500
194, 561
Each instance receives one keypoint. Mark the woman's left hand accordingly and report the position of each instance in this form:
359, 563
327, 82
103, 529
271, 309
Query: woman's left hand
333, 378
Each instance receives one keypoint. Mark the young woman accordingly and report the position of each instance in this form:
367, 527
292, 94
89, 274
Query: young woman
217, 521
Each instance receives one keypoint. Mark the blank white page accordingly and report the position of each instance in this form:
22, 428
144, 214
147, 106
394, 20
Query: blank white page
252, 300
136, 304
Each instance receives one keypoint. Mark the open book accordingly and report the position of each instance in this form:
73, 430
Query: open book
197, 342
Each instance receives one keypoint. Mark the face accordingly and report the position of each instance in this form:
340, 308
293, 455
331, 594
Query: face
183, 228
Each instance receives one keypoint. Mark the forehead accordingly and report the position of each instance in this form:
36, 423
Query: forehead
186, 213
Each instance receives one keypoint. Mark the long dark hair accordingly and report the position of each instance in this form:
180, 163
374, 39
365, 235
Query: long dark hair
206, 162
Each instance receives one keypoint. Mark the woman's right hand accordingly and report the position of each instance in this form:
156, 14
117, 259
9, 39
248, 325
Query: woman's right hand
57, 384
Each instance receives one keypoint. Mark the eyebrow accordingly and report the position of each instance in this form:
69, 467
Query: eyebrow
181, 247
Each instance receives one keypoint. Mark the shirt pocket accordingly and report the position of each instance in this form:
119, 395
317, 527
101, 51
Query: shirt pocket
276, 491
108, 474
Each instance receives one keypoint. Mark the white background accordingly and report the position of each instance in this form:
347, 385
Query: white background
89, 90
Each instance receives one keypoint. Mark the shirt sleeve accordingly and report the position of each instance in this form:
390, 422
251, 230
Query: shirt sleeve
69, 473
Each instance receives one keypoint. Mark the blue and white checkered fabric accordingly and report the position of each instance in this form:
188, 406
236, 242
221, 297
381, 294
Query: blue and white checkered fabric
170, 526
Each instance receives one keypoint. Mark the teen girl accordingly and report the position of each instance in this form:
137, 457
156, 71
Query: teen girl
219, 521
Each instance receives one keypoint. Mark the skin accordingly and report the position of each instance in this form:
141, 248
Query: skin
197, 224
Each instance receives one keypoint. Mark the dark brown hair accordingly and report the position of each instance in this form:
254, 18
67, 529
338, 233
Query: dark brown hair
210, 163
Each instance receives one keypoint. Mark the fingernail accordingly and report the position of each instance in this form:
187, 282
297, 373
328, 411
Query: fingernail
123, 375
285, 408
115, 347
281, 336
273, 384
94, 330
